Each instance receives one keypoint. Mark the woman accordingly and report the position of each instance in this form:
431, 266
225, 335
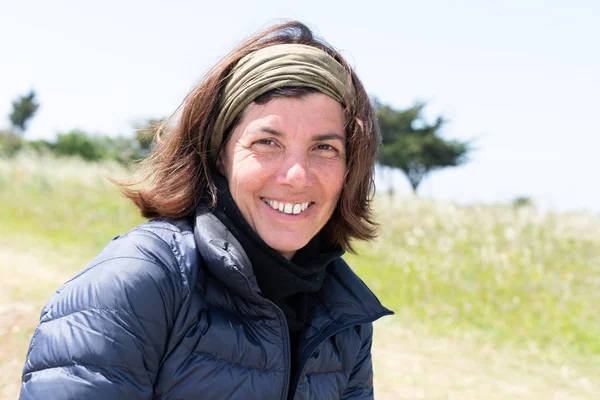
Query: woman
236, 288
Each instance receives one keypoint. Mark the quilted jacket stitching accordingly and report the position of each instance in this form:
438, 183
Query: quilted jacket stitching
100, 310
230, 362
102, 367
178, 260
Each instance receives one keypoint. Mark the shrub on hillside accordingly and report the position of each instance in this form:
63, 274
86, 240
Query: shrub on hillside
10, 143
122, 149
75, 143
522, 201
39, 146
78, 143
96, 148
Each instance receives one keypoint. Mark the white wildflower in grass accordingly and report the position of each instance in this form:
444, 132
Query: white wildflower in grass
517, 276
65, 202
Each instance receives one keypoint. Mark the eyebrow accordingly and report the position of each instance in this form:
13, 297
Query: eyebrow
316, 138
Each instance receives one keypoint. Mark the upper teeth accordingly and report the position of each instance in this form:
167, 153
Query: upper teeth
288, 208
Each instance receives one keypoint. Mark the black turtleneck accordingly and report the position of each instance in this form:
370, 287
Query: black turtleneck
284, 282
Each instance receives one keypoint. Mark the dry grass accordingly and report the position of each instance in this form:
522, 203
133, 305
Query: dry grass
492, 302
510, 276
29, 278
408, 364
413, 366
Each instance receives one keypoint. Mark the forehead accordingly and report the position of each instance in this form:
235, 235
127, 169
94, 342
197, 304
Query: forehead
312, 113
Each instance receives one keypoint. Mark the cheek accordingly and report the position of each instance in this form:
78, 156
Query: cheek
336, 172
247, 174
333, 179
235, 164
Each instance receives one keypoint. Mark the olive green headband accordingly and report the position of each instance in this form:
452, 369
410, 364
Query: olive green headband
275, 67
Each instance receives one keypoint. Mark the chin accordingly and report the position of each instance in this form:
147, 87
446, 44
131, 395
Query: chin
286, 246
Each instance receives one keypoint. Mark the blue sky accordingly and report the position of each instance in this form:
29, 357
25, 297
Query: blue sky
523, 77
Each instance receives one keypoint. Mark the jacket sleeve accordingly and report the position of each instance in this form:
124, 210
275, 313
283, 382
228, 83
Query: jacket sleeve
102, 335
360, 385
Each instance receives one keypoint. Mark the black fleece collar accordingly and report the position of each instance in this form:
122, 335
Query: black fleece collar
344, 295
281, 280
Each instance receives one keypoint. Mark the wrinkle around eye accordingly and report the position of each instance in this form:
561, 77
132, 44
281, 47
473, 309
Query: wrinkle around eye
271, 142
330, 151
271, 147
329, 147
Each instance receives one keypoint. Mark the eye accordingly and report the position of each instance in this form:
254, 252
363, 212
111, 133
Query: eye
266, 145
327, 149
324, 146
265, 142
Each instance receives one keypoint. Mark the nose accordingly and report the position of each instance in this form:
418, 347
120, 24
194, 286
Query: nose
296, 172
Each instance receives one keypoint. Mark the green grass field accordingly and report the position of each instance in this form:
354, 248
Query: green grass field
513, 276
518, 287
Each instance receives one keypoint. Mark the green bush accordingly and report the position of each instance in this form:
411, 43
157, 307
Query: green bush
121, 149
40, 146
79, 143
10, 143
97, 148
75, 143
522, 201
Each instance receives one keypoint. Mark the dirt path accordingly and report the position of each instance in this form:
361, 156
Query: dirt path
26, 281
407, 366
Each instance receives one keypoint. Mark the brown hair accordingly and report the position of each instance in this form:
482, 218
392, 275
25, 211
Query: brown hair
179, 171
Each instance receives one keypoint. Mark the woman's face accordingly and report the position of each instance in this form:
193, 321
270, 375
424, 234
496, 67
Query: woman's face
285, 164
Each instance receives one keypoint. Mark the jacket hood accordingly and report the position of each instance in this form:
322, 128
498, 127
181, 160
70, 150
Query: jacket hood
343, 294
223, 254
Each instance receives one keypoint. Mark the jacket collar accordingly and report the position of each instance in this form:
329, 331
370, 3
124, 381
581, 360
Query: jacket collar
345, 297
223, 254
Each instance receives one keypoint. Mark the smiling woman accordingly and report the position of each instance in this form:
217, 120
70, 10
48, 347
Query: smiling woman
286, 169
236, 287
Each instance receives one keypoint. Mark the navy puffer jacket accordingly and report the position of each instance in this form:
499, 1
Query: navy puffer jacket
173, 311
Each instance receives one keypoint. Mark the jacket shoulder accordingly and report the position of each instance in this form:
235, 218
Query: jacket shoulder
359, 302
157, 253
112, 320
170, 243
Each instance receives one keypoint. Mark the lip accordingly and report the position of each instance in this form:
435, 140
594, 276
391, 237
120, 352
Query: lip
293, 201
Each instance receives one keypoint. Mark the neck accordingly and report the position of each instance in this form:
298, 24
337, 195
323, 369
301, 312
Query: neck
288, 254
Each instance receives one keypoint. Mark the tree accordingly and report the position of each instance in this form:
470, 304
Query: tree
24, 109
414, 146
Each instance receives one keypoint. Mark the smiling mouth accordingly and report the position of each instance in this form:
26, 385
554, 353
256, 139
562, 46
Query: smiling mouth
287, 208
